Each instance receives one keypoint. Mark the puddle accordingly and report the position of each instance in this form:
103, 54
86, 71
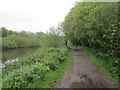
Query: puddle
84, 78
84, 85
68, 76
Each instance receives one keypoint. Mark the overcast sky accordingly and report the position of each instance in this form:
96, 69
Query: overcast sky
33, 15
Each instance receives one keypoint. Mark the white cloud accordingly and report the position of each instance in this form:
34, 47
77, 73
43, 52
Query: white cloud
33, 15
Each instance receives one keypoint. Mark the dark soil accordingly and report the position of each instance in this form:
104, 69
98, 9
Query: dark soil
84, 74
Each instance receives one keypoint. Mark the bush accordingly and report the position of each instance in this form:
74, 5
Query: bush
90, 24
27, 70
25, 75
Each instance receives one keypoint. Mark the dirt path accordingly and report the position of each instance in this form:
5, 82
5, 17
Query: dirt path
84, 74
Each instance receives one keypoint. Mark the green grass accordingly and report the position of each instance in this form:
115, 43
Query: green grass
101, 64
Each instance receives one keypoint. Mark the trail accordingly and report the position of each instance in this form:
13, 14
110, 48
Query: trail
84, 74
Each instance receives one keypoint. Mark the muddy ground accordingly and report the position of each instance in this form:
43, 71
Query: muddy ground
84, 74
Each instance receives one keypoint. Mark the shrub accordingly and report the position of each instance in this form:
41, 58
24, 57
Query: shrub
27, 70
25, 75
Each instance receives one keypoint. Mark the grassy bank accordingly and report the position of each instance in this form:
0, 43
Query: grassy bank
40, 70
109, 66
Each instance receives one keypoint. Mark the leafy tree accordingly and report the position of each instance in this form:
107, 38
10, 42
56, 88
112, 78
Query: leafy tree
53, 38
94, 24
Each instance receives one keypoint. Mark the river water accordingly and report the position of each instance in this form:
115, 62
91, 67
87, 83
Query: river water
11, 55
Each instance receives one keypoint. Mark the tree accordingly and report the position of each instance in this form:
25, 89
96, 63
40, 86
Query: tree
4, 32
94, 24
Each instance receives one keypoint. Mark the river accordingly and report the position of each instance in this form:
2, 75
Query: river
16, 54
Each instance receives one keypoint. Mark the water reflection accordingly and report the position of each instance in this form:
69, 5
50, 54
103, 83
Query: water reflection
13, 54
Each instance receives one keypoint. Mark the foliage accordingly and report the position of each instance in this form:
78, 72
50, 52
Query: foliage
27, 71
12, 39
53, 38
109, 66
94, 24
25, 75
4, 32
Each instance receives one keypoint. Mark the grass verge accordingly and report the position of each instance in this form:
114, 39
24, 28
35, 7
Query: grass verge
104, 65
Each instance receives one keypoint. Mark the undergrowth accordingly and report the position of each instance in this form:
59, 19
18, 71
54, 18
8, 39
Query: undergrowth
40, 70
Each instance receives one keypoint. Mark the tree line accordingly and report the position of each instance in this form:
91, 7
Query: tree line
94, 24
13, 39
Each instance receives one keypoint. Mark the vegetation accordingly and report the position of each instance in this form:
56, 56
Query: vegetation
107, 66
33, 71
13, 39
89, 24
95, 25
36, 70
53, 38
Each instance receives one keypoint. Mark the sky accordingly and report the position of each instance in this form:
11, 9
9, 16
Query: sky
33, 15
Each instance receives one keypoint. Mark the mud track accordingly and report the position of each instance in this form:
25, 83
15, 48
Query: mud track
84, 74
